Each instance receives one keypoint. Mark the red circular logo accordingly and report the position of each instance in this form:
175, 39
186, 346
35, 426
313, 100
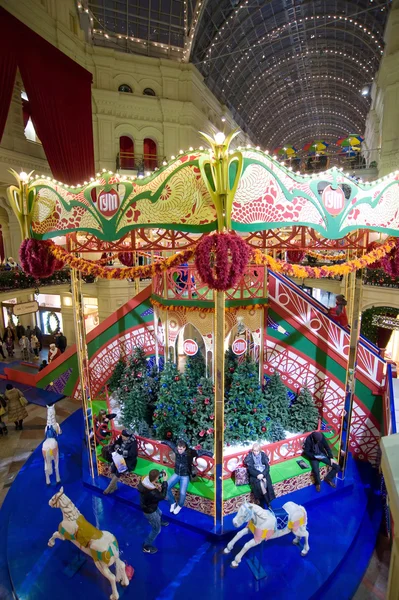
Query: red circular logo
190, 347
239, 346
333, 200
108, 203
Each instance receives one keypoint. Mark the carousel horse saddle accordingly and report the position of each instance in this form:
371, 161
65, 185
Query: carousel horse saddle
282, 518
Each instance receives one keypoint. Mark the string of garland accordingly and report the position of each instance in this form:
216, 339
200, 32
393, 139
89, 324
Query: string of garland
320, 256
205, 310
146, 271
57, 327
303, 272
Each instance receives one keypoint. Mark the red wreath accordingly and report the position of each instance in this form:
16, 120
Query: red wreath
126, 258
37, 260
221, 260
377, 264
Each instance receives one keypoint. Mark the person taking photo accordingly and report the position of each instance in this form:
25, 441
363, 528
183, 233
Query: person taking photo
152, 489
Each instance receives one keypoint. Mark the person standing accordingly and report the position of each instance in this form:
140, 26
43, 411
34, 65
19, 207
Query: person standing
39, 334
24, 345
9, 338
28, 332
34, 344
183, 470
61, 342
16, 403
20, 331
2, 340
260, 481
124, 454
317, 450
152, 489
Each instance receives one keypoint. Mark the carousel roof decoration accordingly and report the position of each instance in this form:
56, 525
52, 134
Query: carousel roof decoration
288, 70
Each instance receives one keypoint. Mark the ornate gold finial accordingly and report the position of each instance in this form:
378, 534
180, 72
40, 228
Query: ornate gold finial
19, 201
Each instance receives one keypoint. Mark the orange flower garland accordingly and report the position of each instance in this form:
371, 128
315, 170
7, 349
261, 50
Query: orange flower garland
303, 272
329, 257
89, 268
205, 310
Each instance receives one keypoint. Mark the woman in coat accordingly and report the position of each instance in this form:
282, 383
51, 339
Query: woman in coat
126, 446
260, 481
16, 407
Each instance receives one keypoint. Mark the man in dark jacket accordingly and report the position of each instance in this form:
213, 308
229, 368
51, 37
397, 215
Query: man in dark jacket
260, 481
125, 447
153, 488
20, 331
61, 342
317, 450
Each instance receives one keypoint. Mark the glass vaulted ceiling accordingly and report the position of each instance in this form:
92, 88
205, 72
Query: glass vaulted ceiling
289, 70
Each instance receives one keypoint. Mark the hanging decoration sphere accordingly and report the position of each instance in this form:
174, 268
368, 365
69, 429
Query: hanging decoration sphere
221, 260
37, 260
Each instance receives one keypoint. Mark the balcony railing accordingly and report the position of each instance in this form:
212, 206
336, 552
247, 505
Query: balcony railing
17, 280
183, 283
130, 161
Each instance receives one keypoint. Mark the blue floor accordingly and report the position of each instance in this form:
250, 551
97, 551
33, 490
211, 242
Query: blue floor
189, 565
32, 394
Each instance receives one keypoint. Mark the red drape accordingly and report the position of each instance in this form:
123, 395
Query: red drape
8, 70
126, 152
59, 92
150, 154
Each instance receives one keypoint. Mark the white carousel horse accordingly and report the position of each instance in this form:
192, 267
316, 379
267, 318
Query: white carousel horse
50, 445
268, 525
100, 545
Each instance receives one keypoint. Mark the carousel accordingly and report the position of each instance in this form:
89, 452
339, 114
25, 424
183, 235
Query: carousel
221, 348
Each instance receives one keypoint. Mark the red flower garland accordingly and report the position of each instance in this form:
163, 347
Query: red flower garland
390, 262
37, 260
221, 260
377, 264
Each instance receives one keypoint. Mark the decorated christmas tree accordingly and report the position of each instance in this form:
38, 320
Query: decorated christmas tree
245, 410
194, 370
201, 418
230, 365
304, 415
278, 404
116, 377
275, 432
170, 415
132, 394
152, 386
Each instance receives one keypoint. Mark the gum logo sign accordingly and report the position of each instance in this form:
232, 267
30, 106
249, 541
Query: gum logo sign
190, 347
108, 203
333, 200
239, 346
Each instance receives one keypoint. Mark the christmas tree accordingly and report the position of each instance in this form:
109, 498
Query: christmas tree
245, 410
304, 415
275, 432
152, 385
170, 416
277, 400
132, 392
194, 370
230, 365
201, 418
116, 377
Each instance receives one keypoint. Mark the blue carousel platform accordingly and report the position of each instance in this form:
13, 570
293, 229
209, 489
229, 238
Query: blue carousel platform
343, 525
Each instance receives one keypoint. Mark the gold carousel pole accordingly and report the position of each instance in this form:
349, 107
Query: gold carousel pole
222, 195
83, 363
355, 297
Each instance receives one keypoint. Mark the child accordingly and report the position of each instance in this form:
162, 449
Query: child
34, 344
43, 365
24, 345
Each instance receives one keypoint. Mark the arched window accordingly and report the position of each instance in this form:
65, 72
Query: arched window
149, 92
125, 88
126, 152
150, 154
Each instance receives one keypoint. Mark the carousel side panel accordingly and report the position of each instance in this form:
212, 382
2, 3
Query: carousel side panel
175, 197
271, 196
